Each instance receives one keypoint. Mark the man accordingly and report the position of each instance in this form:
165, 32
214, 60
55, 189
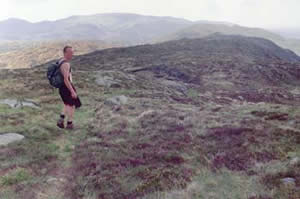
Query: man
67, 92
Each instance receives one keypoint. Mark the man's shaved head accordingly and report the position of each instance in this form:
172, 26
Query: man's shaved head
66, 48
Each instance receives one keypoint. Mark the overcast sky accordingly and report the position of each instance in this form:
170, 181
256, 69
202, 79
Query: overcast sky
252, 13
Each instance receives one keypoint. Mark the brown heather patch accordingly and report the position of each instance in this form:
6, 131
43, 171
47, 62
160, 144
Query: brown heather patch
271, 115
150, 159
157, 150
230, 147
260, 197
273, 180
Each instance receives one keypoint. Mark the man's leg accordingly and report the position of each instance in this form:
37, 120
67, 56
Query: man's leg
60, 122
70, 112
64, 110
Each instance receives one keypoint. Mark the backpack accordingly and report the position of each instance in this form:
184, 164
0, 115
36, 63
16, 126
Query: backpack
54, 75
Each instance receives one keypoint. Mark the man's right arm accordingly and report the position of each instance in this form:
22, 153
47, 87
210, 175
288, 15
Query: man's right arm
65, 70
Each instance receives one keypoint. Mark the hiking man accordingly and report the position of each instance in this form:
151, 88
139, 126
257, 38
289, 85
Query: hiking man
67, 91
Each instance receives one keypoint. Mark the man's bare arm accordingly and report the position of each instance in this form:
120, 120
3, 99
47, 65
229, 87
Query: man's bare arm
65, 70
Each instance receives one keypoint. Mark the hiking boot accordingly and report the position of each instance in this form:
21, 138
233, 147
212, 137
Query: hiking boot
60, 123
70, 126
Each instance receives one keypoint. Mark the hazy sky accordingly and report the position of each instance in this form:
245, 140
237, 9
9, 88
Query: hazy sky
253, 13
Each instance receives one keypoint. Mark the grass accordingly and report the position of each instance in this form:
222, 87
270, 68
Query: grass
43, 148
15, 177
116, 133
192, 93
9, 194
207, 184
149, 148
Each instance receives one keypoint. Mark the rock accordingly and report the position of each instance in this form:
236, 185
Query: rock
113, 78
176, 85
136, 69
8, 138
217, 109
290, 182
93, 139
14, 103
117, 100
107, 81
44, 171
253, 195
62, 180
110, 78
241, 97
51, 179
292, 122
278, 116
295, 161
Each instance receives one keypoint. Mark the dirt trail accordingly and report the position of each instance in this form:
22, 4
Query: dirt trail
55, 183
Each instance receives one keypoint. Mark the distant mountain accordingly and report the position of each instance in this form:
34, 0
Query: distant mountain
214, 22
292, 33
29, 54
130, 28
205, 29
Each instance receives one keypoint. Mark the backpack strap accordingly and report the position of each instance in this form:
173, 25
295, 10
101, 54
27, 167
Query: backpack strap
60, 62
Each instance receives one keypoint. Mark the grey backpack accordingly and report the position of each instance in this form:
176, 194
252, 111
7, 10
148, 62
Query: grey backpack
54, 75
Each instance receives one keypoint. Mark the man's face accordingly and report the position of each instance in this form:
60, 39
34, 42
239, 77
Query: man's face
69, 53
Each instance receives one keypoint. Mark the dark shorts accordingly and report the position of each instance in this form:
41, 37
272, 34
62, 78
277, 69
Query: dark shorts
66, 97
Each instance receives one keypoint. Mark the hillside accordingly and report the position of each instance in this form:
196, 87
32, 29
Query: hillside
29, 54
216, 117
7, 46
204, 29
229, 59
